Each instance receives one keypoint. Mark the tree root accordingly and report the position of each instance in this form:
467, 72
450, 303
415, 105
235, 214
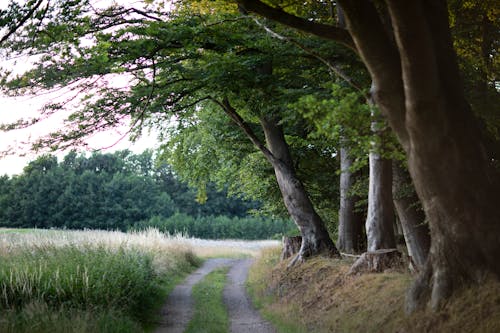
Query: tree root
433, 287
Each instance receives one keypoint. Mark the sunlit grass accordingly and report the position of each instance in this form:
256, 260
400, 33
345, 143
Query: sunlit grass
154, 241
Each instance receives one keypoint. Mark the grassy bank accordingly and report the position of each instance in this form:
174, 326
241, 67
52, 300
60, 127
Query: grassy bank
317, 296
88, 281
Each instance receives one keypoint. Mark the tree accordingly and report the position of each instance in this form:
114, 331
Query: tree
350, 228
343, 119
75, 194
417, 86
259, 85
176, 63
411, 216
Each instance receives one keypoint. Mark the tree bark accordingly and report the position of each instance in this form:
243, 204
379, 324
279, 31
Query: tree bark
376, 262
350, 231
291, 246
412, 217
315, 237
380, 218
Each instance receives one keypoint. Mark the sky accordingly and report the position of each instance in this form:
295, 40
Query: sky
12, 109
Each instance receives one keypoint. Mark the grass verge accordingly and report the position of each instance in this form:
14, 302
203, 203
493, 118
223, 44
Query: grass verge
210, 314
317, 296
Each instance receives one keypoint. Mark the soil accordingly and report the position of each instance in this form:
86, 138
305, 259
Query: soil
179, 307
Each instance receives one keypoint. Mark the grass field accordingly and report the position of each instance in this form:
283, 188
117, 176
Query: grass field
87, 281
96, 281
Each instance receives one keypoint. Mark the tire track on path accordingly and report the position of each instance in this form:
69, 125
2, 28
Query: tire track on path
179, 307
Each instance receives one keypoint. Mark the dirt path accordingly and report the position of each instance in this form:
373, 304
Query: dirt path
242, 315
178, 310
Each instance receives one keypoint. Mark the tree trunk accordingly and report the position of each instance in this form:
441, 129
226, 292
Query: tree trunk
291, 246
417, 86
411, 215
420, 92
350, 239
315, 237
377, 262
380, 219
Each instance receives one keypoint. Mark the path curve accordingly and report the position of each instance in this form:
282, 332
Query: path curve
178, 309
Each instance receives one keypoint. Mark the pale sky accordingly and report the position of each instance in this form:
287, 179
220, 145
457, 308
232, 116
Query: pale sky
12, 109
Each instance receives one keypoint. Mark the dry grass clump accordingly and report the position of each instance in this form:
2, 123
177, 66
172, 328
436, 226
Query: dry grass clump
318, 296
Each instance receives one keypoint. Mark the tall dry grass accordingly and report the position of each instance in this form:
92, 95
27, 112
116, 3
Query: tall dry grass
164, 247
93, 281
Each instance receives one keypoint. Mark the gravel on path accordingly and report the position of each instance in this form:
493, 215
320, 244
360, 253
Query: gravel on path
242, 315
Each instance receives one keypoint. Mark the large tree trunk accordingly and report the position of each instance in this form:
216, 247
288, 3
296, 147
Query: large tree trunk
418, 88
350, 238
380, 219
315, 237
412, 217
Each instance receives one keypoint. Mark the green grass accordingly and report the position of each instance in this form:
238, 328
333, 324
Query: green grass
210, 312
74, 288
38, 317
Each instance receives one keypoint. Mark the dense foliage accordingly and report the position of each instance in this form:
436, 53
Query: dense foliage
119, 191
214, 227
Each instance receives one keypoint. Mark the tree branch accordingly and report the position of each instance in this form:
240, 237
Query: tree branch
238, 120
321, 30
381, 57
331, 66
21, 22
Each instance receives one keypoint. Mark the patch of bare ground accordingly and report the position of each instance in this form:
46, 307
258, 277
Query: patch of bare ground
319, 296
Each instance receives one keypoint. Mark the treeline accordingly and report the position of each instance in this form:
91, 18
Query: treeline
214, 227
122, 191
